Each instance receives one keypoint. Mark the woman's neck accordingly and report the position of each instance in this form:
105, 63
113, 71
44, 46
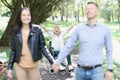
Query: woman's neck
25, 27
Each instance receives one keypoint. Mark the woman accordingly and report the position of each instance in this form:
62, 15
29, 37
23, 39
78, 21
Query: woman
58, 42
26, 46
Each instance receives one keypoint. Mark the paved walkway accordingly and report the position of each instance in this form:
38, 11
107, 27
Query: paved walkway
116, 50
45, 75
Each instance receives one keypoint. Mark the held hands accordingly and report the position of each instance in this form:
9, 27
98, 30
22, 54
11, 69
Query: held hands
108, 75
10, 74
55, 67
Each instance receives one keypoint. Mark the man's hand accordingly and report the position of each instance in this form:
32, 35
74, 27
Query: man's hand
55, 67
108, 75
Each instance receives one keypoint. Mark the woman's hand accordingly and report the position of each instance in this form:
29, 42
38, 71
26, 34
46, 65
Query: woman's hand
10, 73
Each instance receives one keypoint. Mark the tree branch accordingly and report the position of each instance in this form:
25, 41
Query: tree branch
7, 4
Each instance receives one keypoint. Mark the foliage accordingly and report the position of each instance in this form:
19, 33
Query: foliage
106, 13
62, 24
40, 10
43, 8
3, 10
0, 33
116, 69
116, 35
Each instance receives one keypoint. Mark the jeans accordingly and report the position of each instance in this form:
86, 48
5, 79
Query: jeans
93, 74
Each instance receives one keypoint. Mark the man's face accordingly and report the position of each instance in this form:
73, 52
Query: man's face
91, 11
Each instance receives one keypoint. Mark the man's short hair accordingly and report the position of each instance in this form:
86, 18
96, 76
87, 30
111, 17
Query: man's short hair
94, 4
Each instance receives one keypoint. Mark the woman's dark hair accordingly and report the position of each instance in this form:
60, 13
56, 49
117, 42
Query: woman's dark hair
18, 19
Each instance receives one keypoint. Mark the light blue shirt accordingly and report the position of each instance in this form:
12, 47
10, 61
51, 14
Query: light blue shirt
92, 40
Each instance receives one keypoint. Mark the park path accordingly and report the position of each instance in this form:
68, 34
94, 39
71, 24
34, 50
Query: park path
116, 50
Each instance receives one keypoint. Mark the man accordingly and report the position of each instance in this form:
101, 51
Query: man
92, 37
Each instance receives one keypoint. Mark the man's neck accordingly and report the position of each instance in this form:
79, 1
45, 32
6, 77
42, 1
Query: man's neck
91, 22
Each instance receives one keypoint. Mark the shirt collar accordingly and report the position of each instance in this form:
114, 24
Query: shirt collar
95, 25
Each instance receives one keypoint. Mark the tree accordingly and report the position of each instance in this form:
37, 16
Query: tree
119, 13
40, 9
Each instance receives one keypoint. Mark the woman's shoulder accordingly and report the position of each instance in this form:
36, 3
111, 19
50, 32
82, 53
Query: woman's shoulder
36, 26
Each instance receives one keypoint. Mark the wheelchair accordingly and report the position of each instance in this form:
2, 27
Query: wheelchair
3, 65
63, 71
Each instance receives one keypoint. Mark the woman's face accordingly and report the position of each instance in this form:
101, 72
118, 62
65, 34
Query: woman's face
25, 16
57, 31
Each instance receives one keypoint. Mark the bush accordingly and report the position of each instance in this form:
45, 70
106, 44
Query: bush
116, 70
1, 33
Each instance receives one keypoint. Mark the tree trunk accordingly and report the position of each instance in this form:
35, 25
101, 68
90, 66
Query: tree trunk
119, 14
4, 41
82, 11
62, 12
40, 10
67, 11
6, 37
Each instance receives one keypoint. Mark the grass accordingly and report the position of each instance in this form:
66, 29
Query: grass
112, 23
62, 24
116, 35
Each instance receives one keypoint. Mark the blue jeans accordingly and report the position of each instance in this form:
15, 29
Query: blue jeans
93, 74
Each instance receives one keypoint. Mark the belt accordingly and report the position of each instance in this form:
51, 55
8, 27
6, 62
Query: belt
89, 67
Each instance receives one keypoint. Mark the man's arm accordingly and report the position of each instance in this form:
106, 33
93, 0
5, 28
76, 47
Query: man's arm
109, 49
108, 46
66, 50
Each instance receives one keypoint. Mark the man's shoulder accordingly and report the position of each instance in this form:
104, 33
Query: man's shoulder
80, 26
104, 25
